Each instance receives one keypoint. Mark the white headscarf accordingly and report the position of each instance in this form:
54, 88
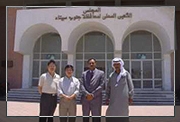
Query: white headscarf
123, 71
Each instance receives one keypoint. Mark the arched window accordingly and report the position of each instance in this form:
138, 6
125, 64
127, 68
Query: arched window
141, 51
94, 45
47, 47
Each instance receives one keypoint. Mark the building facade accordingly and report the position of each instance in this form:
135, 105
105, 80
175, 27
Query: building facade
142, 36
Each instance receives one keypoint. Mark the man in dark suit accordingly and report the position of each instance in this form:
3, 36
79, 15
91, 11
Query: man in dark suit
92, 83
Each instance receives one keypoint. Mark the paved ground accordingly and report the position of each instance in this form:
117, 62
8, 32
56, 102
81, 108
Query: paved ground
32, 109
134, 110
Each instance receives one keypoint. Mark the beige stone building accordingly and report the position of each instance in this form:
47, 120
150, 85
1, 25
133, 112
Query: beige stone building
142, 36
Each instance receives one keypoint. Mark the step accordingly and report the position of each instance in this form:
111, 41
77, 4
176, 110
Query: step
136, 98
153, 103
22, 94
78, 102
21, 91
29, 89
151, 95
148, 100
34, 92
136, 91
135, 94
38, 96
140, 97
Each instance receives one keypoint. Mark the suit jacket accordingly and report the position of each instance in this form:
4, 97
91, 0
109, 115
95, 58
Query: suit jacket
96, 83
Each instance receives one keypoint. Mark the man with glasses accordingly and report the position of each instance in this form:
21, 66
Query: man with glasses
68, 91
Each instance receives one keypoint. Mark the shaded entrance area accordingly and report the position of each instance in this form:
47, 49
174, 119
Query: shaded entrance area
141, 51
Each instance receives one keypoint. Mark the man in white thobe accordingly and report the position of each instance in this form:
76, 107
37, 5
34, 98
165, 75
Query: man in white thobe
119, 90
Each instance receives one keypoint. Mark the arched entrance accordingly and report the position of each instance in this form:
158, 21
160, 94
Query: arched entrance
141, 51
94, 45
47, 47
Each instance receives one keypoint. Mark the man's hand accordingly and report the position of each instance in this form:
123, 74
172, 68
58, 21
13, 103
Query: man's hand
130, 101
40, 90
67, 98
89, 97
72, 97
107, 102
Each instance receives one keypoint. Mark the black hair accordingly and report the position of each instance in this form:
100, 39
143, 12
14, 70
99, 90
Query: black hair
51, 61
69, 66
91, 59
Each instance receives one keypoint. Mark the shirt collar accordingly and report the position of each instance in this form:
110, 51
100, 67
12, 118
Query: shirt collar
51, 76
92, 70
68, 78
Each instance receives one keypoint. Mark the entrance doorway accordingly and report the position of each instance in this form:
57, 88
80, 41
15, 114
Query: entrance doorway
141, 72
141, 52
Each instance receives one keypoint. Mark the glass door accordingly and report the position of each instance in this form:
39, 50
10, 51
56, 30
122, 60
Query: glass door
147, 77
142, 74
136, 73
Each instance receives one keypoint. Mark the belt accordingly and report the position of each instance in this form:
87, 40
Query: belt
52, 94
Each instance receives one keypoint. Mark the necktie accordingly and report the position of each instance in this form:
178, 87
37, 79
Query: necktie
90, 77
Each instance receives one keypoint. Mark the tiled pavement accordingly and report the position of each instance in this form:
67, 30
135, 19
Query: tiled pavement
19, 108
32, 109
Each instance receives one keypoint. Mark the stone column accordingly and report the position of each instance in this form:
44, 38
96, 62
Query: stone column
71, 59
167, 72
118, 53
26, 82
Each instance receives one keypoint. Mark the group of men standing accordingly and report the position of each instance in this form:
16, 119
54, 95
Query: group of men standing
119, 92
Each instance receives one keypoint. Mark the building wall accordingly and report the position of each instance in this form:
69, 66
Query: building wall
152, 19
68, 3
28, 30
14, 73
90, 2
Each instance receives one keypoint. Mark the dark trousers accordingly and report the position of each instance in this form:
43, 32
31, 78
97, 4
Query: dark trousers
70, 119
45, 119
117, 119
48, 103
94, 119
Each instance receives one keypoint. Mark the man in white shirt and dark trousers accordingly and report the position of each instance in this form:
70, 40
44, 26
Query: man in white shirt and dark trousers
48, 89
68, 90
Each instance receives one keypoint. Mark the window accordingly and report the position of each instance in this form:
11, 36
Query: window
141, 52
47, 47
94, 45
